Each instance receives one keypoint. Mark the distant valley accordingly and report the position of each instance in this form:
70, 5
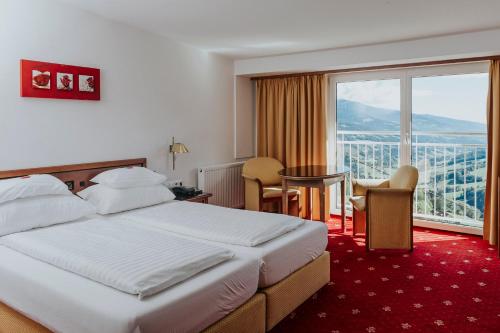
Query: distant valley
452, 167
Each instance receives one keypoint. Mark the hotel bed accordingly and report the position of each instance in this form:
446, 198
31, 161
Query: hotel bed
279, 257
65, 302
290, 269
292, 266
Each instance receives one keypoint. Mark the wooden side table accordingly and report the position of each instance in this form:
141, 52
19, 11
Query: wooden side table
200, 198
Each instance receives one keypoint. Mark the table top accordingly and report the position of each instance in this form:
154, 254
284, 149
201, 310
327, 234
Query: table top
312, 171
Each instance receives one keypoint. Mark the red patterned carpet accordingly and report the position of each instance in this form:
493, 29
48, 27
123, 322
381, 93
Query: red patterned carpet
450, 283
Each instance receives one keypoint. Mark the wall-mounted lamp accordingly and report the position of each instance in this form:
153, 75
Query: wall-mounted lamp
177, 148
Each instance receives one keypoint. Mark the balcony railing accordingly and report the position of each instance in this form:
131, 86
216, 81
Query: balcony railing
451, 166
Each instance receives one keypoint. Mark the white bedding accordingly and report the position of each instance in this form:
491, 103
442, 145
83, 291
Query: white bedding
284, 255
118, 254
278, 257
66, 302
214, 223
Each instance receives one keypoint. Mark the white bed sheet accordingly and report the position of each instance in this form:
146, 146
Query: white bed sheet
284, 255
127, 257
278, 257
215, 223
66, 302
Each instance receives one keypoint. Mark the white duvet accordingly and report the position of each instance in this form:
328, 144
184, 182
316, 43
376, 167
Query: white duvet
214, 223
118, 254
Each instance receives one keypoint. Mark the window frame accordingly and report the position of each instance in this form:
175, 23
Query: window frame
405, 75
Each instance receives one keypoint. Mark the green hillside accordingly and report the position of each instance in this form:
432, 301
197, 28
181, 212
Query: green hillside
452, 167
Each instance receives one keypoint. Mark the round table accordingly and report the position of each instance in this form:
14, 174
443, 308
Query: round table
314, 176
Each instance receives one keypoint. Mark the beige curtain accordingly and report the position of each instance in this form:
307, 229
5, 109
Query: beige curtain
292, 122
491, 214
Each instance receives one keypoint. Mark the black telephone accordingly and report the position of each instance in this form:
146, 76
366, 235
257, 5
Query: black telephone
184, 192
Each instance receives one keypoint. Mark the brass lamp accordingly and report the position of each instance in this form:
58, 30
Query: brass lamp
177, 148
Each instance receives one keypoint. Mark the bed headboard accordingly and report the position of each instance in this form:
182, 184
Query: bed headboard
76, 176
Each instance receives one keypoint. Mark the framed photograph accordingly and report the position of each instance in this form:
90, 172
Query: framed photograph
49, 80
40, 79
65, 81
86, 83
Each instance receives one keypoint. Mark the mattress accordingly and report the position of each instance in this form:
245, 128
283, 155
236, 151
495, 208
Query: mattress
118, 254
284, 255
65, 302
278, 257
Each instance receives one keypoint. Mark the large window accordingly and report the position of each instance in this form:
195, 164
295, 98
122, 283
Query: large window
433, 118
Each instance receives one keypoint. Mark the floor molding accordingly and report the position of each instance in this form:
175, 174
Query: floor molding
447, 227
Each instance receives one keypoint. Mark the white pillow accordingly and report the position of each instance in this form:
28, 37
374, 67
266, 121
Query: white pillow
31, 186
129, 177
108, 200
35, 212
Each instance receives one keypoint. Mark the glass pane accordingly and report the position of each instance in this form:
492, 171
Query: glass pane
368, 128
449, 147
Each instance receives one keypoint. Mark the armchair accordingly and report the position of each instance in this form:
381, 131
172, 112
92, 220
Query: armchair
383, 209
263, 184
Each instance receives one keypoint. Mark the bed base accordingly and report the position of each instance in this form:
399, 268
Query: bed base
248, 318
285, 296
13, 321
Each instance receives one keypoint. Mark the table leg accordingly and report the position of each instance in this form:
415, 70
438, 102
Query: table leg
342, 203
284, 197
308, 194
322, 202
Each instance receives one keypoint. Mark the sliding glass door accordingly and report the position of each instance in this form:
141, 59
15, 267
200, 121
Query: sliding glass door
449, 146
433, 118
368, 126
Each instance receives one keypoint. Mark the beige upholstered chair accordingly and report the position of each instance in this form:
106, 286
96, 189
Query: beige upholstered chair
263, 184
383, 209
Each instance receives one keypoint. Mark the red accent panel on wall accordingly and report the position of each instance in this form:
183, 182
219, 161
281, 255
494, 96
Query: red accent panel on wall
48, 80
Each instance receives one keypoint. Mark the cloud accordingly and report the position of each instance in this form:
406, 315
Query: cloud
380, 93
448, 95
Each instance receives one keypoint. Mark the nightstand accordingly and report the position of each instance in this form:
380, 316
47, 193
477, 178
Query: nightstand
200, 198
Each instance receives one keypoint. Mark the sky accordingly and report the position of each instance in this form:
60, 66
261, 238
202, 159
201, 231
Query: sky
454, 96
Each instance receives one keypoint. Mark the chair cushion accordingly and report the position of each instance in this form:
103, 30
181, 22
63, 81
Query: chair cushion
405, 177
361, 186
275, 191
265, 169
359, 202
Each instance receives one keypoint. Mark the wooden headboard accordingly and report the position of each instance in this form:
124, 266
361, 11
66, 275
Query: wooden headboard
76, 176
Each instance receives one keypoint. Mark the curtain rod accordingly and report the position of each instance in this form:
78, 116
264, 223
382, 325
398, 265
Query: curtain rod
371, 68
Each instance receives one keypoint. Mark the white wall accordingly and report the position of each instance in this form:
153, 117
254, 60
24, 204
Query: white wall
151, 90
482, 43
244, 118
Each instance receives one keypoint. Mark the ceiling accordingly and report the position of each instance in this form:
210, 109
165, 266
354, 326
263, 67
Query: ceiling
252, 28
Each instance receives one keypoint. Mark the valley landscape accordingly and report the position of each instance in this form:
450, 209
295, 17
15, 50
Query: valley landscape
449, 153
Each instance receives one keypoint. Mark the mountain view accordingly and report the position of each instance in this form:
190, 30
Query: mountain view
354, 116
452, 167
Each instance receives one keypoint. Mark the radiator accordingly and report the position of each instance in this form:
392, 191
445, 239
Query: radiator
225, 182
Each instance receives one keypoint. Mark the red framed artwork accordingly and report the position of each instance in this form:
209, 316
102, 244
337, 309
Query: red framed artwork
48, 80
